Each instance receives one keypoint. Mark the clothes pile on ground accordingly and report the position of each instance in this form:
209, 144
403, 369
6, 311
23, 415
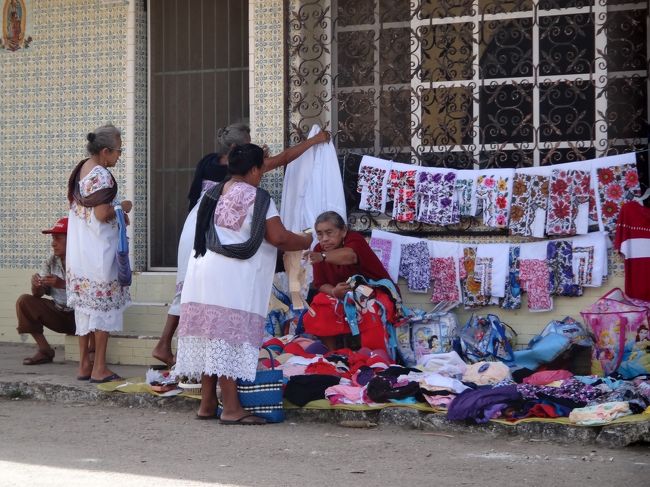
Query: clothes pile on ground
487, 380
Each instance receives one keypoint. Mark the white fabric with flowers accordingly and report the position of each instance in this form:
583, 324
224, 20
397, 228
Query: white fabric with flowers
91, 276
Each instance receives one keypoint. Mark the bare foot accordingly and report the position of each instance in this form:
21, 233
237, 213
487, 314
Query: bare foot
85, 369
164, 354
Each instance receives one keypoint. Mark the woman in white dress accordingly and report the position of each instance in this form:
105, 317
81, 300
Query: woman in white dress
212, 169
228, 283
91, 275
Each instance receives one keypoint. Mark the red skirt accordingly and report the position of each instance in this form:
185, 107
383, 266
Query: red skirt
330, 319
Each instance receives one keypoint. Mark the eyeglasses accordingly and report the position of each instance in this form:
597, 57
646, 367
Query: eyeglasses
118, 150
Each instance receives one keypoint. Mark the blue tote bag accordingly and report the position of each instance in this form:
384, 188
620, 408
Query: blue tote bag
123, 263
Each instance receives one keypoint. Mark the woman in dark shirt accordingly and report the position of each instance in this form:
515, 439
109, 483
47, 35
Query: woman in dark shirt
339, 255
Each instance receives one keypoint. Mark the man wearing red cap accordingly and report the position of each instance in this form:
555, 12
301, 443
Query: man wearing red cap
35, 311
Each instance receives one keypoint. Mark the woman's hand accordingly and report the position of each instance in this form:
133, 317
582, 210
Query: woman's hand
323, 136
340, 290
126, 205
313, 257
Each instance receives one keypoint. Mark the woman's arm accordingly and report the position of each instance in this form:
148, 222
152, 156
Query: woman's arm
342, 256
278, 236
105, 212
292, 153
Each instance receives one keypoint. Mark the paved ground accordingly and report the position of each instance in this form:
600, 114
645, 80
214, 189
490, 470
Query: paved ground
58, 372
71, 443
57, 444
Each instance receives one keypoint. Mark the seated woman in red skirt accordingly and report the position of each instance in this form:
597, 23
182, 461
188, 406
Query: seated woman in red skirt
339, 255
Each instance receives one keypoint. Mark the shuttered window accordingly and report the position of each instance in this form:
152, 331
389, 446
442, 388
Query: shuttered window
198, 82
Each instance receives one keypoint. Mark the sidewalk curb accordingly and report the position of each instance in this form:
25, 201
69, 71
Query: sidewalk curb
616, 436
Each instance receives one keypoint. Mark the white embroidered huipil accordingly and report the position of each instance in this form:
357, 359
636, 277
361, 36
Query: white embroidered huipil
225, 300
91, 265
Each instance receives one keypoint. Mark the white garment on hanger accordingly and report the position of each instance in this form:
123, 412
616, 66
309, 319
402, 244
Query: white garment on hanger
312, 185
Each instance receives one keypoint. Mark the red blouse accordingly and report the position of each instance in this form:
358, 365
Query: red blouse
368, 265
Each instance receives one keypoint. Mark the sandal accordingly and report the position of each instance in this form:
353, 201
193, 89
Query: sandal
240, 421
41, 357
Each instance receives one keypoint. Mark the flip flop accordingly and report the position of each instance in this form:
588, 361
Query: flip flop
110, 378
204, 418
83, 377
45, 358
240, 421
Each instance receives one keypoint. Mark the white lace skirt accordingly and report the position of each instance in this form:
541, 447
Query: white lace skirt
198, 356
86, 323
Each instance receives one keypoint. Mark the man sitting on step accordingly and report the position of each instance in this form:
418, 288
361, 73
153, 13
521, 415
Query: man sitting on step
34, 311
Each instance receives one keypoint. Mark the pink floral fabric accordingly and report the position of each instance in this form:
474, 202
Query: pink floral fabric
382, 248
401, 189
102, 296
616, 185
568, 189
235, 326
232, 207
493, 200
444, 280
534, 276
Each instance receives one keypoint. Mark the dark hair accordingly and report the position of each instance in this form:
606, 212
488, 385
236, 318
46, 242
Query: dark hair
243, 158
333, 217
233, 134
102, 137
209, 168
638, 332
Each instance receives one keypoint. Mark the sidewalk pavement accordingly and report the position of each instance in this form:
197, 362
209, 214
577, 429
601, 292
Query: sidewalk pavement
57, 382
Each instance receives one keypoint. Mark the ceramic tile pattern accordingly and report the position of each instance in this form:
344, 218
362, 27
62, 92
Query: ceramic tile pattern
266, 30
71, 79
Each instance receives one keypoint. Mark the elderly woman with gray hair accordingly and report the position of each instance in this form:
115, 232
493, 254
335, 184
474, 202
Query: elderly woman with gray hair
211, 170
93, 289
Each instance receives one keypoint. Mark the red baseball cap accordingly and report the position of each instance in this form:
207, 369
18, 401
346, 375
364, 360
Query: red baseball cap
59, 227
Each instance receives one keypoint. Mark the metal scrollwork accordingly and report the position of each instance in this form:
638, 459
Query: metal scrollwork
437, 83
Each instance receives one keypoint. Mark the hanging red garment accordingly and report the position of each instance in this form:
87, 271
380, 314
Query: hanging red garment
633, 241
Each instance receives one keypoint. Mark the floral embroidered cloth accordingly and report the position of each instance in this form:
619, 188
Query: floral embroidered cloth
493, 191
436, 197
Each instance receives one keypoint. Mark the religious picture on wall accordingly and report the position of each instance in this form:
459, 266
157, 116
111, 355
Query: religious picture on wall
15, 25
